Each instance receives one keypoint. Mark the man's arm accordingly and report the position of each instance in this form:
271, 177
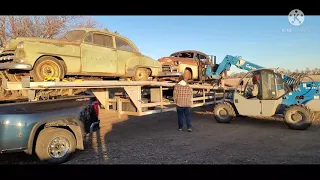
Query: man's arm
191, 95
175, 92
255, 90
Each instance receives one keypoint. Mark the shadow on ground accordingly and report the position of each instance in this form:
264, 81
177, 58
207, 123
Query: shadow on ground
154, 139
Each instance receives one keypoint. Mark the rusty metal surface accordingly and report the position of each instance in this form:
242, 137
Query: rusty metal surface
190, 51
171, 60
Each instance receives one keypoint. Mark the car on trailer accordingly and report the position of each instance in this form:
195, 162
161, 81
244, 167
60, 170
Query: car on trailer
81, 52
191, 63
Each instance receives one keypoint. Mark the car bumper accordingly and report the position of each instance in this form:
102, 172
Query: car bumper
170, 74
16, 66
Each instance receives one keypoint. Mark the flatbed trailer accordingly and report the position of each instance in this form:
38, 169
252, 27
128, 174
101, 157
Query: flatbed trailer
131, 102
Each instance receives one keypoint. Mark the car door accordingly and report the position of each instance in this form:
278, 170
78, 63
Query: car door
124, 53
273, 91
98, 54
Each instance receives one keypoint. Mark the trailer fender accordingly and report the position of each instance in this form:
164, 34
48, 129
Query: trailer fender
313, 105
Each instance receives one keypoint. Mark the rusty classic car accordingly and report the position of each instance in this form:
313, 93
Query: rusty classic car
80, 52
189, 62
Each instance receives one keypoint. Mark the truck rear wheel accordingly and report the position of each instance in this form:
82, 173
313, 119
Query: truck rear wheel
298, 117
141, 74
47, 66
224, 112
55, 145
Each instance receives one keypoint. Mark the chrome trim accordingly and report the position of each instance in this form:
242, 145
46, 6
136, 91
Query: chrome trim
19, 66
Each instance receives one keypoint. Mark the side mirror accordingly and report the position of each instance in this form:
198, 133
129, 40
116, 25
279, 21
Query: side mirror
241, 83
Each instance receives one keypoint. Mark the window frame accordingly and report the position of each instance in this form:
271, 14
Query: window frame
115, 44
93, 44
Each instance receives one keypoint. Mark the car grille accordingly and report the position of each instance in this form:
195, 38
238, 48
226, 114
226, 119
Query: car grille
168, 68
7, 56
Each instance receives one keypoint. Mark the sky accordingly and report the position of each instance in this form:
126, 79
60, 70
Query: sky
258, 39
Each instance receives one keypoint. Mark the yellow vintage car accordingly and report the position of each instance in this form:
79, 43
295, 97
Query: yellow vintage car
80, 52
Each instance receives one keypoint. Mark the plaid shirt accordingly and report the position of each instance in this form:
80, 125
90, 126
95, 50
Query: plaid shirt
183, 95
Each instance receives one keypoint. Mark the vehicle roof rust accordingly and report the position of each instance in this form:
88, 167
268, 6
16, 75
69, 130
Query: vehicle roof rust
189, 51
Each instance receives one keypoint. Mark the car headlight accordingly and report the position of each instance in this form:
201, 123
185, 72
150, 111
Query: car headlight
20, 45
176, 63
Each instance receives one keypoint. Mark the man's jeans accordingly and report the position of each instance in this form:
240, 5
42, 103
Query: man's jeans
183, 111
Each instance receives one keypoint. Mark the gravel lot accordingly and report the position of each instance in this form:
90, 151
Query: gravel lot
154, 139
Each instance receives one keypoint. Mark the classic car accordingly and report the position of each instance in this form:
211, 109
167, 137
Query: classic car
80, 52
189, 62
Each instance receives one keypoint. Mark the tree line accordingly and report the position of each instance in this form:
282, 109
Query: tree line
50, 27
307, 71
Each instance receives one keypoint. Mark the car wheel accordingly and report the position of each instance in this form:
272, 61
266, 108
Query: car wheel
55, 145
141, 74
47, 67
187, 75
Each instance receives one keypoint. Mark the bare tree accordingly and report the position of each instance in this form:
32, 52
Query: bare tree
41, 26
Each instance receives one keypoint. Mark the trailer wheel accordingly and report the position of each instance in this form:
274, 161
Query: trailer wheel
55, 145
224, 112
298, 117
141, 74
47, 66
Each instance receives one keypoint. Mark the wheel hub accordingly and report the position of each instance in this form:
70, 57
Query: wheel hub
222, 113
59, 147
296, 116
48, 71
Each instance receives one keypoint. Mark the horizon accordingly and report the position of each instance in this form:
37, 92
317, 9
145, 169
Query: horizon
263, 40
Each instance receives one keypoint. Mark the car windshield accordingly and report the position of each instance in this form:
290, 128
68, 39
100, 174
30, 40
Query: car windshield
74, 36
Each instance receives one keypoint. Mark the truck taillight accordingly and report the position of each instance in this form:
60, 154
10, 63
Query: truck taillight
96, 107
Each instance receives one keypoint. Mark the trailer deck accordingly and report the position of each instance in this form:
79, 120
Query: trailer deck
132, 99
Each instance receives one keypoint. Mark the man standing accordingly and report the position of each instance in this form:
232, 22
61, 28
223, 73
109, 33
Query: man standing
182, 95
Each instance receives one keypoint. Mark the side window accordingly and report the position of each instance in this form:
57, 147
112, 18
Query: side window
268, 82
122, 45
103, 40
250, 88
88, 38
201, 57
281, 86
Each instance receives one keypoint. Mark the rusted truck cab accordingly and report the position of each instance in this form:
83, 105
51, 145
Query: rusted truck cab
189, 62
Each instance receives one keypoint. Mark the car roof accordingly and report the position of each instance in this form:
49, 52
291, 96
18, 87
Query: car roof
108, 32
189, 51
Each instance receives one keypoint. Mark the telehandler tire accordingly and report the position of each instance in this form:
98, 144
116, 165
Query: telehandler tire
298, 117
55, 145
224, 112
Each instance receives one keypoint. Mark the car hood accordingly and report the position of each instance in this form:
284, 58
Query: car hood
14, 42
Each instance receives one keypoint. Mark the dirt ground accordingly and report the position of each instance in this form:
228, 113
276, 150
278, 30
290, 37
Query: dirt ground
154, 139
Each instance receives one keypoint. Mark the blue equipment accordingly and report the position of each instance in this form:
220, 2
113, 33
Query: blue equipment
279, 94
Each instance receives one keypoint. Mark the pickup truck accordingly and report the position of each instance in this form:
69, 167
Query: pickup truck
52, 129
